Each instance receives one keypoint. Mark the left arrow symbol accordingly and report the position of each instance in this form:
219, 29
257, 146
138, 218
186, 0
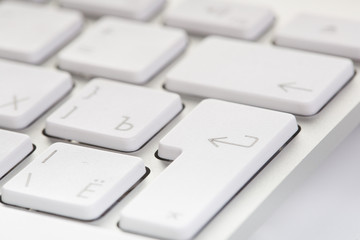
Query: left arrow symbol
292, 85
220, 140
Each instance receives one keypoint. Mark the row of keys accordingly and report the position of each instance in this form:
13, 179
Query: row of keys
52, 28
230, 143
285, 80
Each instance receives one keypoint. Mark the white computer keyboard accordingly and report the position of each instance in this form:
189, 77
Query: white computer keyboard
174, 120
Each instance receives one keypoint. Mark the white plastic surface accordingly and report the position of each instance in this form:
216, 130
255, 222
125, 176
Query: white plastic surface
326, 34
114, 115
222, 146
123, 50
14, 147
280, 79
134, 9
27, 91
73, 181
31, 32
219, 17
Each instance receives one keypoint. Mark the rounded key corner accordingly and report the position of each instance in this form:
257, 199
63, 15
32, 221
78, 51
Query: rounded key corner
156, 155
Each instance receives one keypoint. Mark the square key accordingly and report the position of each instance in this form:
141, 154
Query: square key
232, 19
114, 115
14, 147
32, 32
123, 50
73, 181
326, 34
134, 9
28, 91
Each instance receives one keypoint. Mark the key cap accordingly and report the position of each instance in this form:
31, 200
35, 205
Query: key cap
222, 18
281, 79
134, 9
73, 181
32, 32
218, 147
123, 50
28, 91
324, 34
114, 115
14, 148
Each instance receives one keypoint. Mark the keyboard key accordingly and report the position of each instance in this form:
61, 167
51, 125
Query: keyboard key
134, 9
123, 50
73, 181
114, 115
229, 144
322, 34
14, 148
281, 79
32, 32
222, 18
28, 91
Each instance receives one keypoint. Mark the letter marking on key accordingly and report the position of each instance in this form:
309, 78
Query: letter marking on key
124, 125
214, 141
48, 157
329, 29
70, 112
14, 102
174, 215
90, 188
28, 180
218, 11
290, 85
96, 89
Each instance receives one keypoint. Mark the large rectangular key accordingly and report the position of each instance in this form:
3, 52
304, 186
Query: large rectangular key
259, 75
218, 148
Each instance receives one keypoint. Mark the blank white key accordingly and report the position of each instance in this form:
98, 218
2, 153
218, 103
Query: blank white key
14, 148
218, 147
27, 91
114, 115
32, 32
221, 17
281, 79
73, 181
134, 9
123, 50
322, 34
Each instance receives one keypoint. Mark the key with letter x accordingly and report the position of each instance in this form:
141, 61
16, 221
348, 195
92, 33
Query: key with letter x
217, 148
28, 91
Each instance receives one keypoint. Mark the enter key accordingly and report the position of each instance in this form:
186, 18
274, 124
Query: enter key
217, 148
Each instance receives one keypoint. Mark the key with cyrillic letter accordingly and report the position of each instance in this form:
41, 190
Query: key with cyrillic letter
217, 149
